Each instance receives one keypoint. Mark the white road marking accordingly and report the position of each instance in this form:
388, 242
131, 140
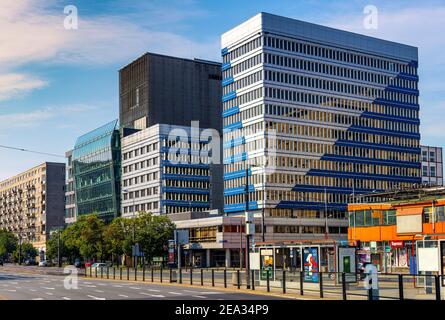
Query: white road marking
33, 290
91, 286
100, 291
202, 297
49, 293
11, 290
96, 298
153, 290
37, 299
66, 298
47, 288
117, 286
135, 288
123, 295
177, 293
152, 295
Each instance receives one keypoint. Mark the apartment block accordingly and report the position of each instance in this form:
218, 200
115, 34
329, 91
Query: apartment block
32, 203
70, 195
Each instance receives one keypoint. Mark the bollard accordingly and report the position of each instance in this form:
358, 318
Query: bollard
120, 272
343, 285
152, 274
437, 287
213, 278
128, 274
143, 273
114, 273
225, 278
191, 276
95, 272
268, 280
202, 277
301, 282
101, 272
161, 273
401, 295
180, 275
170, 275
91, 272
238, 279
321, 285
253, 280
135, 273
108, 270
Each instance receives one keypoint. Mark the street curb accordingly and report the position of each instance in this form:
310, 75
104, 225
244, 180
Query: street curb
276, 295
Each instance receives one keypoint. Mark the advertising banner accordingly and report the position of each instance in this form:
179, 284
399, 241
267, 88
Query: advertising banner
311, 264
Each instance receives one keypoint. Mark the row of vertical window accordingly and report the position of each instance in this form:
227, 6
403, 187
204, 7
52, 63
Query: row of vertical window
244, 98
141, 193
244, 114
338, 134
338, 87
243, 82
328, 165
187, 184
186, 197
243, 66
178, 158
338, 71
142, 207
338, 55
152, 176
140, 151
186, 171
243, 49
338, 118
178, 209
141, 165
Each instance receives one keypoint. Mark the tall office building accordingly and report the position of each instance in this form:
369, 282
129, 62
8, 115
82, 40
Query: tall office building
328, 113
166, 169
96, 163
432, 165
32, 203
161, 89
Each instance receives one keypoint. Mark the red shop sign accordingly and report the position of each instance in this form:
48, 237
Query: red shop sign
396, 244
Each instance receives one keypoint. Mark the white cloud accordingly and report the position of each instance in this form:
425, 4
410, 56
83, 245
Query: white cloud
32, 32
16, 84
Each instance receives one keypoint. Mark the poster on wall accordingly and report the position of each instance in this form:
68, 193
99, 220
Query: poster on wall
347, 264
266, 263
311, 264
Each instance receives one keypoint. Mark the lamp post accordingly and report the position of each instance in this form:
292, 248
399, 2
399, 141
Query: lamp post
247, 224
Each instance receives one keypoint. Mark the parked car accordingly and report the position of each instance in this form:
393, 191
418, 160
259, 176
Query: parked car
88, 263
99, 266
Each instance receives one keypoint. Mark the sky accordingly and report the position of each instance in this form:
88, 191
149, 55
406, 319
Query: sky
58, 83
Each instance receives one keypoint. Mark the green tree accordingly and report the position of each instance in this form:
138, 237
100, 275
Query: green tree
52, 246
8, 244
90, 241
114, 237
153, 233
25, 251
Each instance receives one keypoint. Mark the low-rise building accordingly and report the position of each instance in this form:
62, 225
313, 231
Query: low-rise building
388, 233
32, 203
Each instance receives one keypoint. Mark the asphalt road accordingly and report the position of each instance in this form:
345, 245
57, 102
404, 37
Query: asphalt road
15, 286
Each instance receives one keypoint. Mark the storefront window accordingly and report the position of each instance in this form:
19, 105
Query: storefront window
389, 217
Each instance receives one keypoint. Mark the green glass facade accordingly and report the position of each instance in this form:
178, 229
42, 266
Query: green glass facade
96, 166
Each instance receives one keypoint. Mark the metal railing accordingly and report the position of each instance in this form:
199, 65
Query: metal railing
319, 285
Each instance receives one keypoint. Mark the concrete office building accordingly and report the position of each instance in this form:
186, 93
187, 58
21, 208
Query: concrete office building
32, 203
316, 115
96, 163
166, 169
432, 166
161, 89
70, 195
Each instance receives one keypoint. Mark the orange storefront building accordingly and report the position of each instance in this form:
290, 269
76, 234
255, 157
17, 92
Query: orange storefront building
387, 233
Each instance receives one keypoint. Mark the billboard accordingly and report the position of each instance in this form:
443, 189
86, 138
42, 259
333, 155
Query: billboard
311, 264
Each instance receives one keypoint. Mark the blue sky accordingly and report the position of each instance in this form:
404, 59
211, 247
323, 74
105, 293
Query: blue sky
57, 84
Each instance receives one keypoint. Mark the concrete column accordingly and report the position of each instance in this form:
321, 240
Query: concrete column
208, 258
228, 262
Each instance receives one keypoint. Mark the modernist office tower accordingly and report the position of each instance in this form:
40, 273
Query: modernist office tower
166, 169
344, 110
96, 166
161, 89
32, 203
